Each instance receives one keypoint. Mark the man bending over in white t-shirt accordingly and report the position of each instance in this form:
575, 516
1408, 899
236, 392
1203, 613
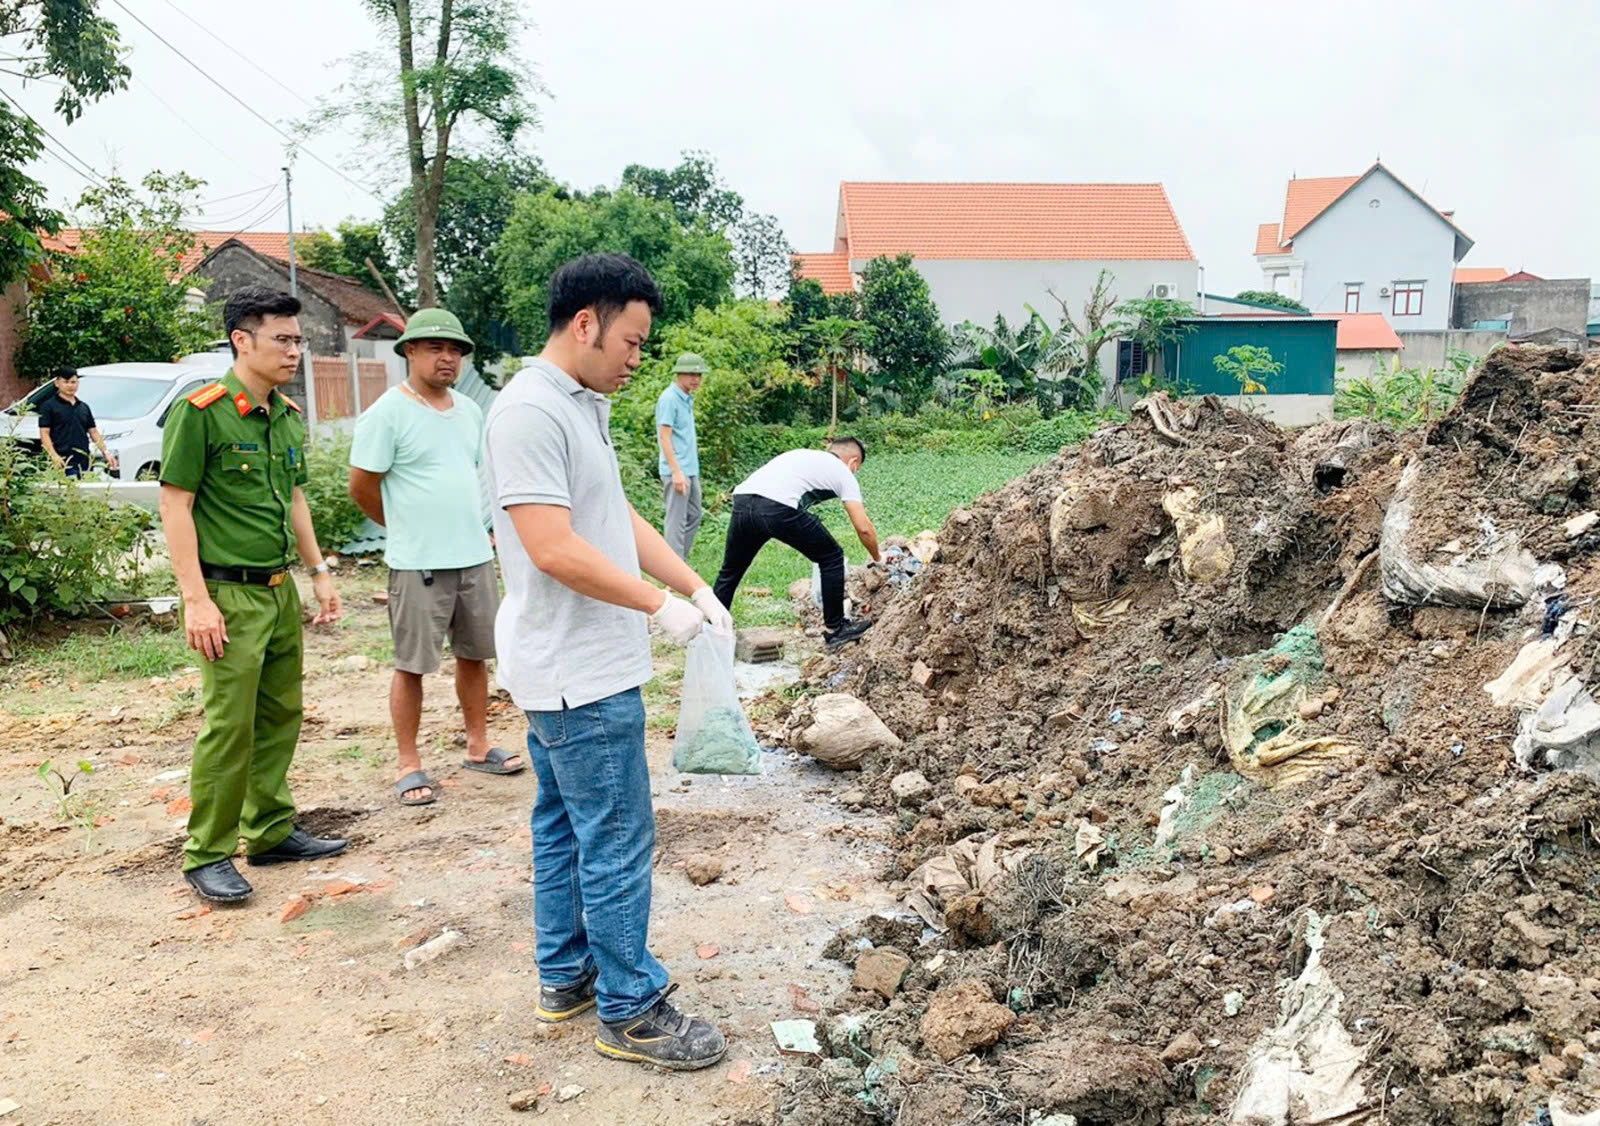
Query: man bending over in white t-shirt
772, 504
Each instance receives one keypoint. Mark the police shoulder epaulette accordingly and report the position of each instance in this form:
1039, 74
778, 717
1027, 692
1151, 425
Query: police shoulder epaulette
207, 395
290, 403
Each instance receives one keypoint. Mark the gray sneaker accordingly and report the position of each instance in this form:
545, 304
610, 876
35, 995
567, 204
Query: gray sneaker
663, 1036
563, 1002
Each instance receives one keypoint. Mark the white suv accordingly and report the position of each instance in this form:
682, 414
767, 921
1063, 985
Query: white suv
130, 404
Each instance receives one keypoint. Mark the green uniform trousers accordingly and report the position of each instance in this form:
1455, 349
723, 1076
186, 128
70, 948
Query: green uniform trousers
239, 778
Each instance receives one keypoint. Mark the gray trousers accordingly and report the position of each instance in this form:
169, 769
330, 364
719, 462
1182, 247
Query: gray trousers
683, 516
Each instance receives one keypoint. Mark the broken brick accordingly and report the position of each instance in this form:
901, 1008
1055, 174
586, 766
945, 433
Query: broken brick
194, 912
707, 950
177, 807
128, 758
293, 909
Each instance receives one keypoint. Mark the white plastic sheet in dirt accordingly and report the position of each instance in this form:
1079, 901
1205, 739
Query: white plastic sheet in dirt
1305, 1071
1559, 727
1561, 1116
1496, 571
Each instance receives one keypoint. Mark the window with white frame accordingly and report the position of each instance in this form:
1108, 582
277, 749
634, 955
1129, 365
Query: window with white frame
1280, 283
1352, 297
1407, 299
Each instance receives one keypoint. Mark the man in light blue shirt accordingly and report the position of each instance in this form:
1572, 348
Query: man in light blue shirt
679, 463
414, 469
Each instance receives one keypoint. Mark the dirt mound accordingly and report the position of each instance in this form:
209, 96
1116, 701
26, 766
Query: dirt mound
1172, 668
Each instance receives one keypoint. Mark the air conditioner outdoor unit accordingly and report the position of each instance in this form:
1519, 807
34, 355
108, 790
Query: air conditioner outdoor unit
1384, 292
1164, 291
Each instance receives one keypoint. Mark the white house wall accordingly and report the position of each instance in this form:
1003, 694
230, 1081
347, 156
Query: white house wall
1401, 239
975, 289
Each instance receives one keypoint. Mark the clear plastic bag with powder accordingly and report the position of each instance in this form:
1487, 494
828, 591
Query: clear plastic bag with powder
714, 737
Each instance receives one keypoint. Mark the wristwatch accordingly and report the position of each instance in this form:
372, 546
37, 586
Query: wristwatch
322, 569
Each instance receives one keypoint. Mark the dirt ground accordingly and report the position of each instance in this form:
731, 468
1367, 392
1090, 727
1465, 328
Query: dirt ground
124, 999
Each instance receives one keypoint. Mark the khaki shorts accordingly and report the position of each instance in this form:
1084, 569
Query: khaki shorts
459, 603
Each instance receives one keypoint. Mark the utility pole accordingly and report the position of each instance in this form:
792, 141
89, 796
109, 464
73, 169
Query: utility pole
288, 198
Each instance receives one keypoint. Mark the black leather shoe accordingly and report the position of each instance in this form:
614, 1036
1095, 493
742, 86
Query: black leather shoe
299, 845
219, 882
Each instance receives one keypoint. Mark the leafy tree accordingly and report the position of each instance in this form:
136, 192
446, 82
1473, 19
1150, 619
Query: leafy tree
837, 342
1013, 355
67, 43
694, 189
479, 195
1250, 366
120, 297
457, 72
1073, 377
808, 304
1155, 322
1267, 297
347, 251
762, 255
744, 343
692, 265
907, 343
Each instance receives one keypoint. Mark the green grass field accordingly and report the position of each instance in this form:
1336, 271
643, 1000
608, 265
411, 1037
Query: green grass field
905, 493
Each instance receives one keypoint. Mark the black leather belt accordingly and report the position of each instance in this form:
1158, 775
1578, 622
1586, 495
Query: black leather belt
245, 575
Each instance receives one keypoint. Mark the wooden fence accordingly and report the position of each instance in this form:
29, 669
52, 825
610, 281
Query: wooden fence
347, 385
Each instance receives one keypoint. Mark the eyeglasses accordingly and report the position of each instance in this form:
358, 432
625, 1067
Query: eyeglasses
284, 341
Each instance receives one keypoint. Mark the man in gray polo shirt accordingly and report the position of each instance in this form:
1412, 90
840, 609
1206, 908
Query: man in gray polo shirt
573, 643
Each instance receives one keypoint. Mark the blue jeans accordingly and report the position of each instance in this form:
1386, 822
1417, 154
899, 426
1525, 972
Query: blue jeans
594, 838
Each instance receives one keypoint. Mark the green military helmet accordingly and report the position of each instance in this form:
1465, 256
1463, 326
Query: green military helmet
689, 364
434, 324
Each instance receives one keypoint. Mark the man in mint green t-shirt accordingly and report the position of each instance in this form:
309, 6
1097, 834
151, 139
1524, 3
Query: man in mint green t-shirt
414, 469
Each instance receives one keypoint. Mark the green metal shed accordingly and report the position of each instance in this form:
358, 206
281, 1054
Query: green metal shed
1307, 347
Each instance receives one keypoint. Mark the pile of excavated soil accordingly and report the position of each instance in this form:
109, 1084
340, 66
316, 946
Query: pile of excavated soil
1355, 848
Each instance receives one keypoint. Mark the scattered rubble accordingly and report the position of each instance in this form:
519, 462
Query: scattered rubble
703, 868
1263, 776
881, 970
963, 1018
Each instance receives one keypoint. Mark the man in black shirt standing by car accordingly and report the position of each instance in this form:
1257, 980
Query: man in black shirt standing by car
66, 426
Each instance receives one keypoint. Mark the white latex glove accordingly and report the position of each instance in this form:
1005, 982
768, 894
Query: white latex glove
678, 619
716, 613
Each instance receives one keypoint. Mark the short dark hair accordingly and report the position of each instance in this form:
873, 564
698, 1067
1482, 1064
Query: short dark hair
64, 373
605, 283
248, 304
848, 440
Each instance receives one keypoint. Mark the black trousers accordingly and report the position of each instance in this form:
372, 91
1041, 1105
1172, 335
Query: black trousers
757, 520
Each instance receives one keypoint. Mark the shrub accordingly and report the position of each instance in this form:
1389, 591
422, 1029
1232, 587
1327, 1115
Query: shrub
63, 546
1066, 429
333, 514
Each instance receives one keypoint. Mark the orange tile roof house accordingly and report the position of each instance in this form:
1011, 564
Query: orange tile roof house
992, 248
1364, 244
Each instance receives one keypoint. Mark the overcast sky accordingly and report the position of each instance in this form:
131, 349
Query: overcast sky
1485, 108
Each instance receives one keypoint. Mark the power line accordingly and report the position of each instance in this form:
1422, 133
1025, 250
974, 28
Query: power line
248, 60
193, 128
237, 195
251, 110
198, 219
88, 169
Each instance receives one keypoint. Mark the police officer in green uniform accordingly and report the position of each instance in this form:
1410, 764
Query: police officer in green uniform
232, 467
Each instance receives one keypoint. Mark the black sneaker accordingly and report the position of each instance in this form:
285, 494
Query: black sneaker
563, 1002
845, 634
663, 1036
